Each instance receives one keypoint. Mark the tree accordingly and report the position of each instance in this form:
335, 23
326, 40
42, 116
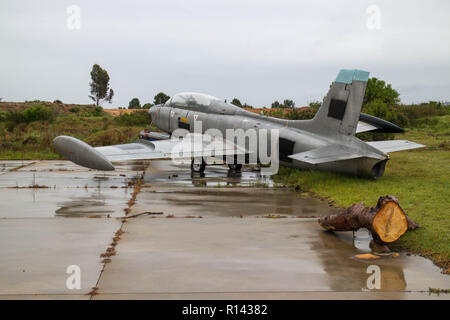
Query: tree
276, 104
236, 102
379, 90
147, 106
160, 98
100, 89
381, 109
134, 104
315, 104
288, 103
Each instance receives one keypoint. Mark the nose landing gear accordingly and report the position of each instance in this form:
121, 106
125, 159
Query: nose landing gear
198, 165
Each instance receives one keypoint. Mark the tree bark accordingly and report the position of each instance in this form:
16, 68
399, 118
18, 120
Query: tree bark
386, 221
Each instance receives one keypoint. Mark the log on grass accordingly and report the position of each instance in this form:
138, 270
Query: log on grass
386, 221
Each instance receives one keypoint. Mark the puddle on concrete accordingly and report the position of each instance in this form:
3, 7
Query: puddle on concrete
229, 202
248, 255
337, 251
62, 202
70, 190
66, 179
35, 254
8, 165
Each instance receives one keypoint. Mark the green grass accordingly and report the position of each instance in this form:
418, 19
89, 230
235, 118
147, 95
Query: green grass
419, 178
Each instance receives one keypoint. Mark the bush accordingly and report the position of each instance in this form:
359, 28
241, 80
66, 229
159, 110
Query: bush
14, 117
294, 113
423, 110
111, 137
9, 126
381, 110
2, 116
97, 112
92, 112
37, 113
31, 140
137, 118
302, 114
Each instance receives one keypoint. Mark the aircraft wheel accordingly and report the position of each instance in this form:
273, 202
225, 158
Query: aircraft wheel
198, 165
235, 167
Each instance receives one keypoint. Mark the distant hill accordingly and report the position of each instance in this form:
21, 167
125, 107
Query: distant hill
61, 107
20, 106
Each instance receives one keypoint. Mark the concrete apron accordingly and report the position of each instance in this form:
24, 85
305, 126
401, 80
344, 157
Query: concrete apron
219, 243
67, 220
194, 242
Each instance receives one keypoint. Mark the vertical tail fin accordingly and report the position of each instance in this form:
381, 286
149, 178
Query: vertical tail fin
339, 112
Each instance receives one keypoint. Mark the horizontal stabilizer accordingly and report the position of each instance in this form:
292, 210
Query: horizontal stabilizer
364, 127
153, 136
368, 122
394, 145
326, 154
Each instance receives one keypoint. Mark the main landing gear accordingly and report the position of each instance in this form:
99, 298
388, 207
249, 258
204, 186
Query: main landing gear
199, 165
235, 167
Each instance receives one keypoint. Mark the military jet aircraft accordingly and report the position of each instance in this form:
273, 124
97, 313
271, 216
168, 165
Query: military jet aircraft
326, 142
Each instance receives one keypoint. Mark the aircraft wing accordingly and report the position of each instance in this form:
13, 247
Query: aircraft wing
100, 158
329, 154
394, 145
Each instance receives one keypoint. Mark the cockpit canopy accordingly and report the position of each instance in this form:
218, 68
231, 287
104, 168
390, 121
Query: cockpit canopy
201, 102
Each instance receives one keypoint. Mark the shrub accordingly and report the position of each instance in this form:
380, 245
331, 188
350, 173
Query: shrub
37, 113
14, 117
9, 125
381, 110
93, 111
137, 118
423, 110
111, 136
98, 111
32, 140
302, 114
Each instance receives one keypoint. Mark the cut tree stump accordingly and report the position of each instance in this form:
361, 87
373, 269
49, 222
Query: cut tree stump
386, 221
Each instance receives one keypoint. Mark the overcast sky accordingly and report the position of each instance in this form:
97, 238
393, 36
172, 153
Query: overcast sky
258, 51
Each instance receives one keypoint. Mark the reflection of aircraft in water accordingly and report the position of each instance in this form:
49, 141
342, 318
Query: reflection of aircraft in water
199, 179
93, 205
326, 142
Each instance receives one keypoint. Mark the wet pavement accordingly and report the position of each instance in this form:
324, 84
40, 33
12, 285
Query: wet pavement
220, 235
